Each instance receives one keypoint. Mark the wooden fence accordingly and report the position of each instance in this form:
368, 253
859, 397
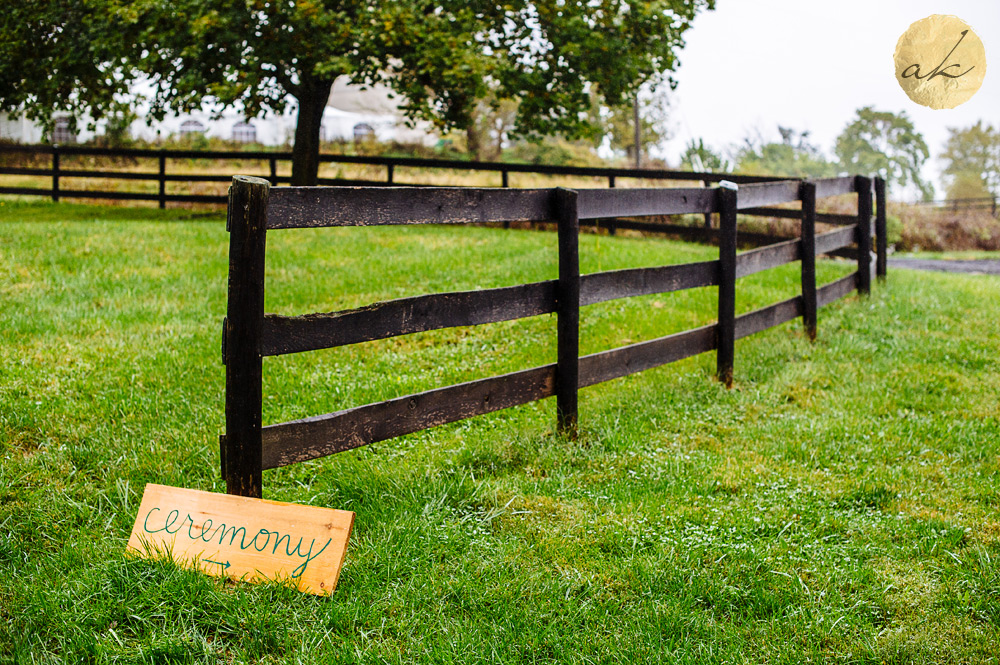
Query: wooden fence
954, 205
248, 447
57, 172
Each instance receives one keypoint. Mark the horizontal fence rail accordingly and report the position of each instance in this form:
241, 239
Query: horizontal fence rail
612, 213
273, 159
978, 203
247, 447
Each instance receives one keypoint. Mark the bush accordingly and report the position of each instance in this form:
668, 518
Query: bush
553, 152
934, 229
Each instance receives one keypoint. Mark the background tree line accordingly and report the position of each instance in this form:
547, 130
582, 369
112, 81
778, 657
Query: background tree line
873, 142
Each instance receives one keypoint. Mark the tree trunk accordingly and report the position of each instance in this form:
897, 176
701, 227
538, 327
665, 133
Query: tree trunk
473, 141
312, 99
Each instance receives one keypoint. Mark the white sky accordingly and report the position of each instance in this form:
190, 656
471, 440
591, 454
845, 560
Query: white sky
809, 64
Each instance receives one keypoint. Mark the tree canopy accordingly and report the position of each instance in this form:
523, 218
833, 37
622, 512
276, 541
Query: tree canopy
443, 58
885, 143
53, 59
794, 155
699, 157
972, 160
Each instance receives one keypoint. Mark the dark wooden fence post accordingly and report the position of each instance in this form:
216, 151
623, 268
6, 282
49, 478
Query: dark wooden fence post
708, 215
881, 230
505, 182
246, 223
273, 163
863, 186
389, 168
807, 192
55, 173
726, 328
163, 181
568, 311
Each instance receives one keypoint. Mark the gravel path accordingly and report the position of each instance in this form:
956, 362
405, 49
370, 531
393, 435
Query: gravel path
976, 266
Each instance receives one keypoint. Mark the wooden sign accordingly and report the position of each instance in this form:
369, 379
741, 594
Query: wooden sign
243, 539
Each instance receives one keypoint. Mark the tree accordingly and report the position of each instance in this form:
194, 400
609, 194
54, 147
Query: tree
972, 159
54, 57
793, 156
699, 157
443, 58
617, 122
965, 185
554, 58
490, 128
887, 144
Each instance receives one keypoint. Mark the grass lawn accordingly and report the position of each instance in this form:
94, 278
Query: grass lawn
840, 504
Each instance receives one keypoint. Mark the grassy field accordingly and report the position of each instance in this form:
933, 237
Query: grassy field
840, 504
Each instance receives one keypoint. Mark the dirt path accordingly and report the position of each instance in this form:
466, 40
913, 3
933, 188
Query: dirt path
975, 266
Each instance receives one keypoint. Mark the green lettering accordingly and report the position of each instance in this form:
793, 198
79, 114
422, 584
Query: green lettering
206, 526
277, 542
232, 536
171, 518
145, 523
301, 568
190, 519
254, 541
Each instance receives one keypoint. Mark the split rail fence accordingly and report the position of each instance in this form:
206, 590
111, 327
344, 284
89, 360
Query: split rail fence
56, 173
249, 334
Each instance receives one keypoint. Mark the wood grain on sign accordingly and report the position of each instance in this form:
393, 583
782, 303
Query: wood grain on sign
246, 539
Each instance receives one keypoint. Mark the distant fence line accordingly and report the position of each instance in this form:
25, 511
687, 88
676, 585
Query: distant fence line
56, 172
247, 447
978, 203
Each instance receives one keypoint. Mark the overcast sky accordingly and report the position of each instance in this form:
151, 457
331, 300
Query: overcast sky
809, 64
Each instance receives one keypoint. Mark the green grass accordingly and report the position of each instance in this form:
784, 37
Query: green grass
840, 504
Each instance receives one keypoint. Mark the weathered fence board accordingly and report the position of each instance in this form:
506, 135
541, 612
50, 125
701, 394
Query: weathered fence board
786, 213
607, 365
834, 186
597, 203
294, 334
309, 438
771, 256
765, 194
311, 207
833, 240
631, 282
836, 290
768, 317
